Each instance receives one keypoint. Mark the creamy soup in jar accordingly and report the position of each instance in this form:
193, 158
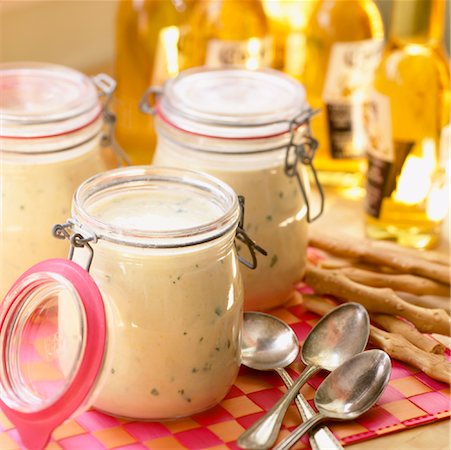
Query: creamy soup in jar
167, 268
274, 217
35, 194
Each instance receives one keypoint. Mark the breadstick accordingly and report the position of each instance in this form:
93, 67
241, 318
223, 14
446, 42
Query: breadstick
335, 263
426, 301
339, 263
364, 251
382, 300
403, 282
409, 332
411, 252
436, 366
317, 304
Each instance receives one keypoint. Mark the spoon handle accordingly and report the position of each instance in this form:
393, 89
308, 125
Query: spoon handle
301, 402
262, 434
320, 439
298, 432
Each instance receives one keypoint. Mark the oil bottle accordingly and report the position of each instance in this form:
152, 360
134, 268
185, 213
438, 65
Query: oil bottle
227, 32
344, 41
288, 22
406, 186
147, 53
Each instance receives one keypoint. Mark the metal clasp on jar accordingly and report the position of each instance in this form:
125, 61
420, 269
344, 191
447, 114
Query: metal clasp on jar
302, 148
151, 94
242, 236
106, 85
78, 238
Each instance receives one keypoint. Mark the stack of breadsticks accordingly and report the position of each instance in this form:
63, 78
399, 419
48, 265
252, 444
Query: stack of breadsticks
406, 293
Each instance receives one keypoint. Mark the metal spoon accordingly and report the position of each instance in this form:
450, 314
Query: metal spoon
347, 392
338, 336
268, 343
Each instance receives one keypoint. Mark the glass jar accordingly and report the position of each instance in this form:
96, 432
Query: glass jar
51, 122
250, 129
158, 316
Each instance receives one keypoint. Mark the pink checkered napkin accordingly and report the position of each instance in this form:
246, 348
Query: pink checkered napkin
411, 399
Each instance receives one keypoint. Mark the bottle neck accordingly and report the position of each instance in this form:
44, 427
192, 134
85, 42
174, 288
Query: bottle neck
418, 21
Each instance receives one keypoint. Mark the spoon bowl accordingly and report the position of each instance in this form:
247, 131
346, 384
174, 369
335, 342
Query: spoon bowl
337, 337
267, 342
353, 388
348, 392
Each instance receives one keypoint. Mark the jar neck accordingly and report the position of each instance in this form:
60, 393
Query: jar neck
58, 145
149, 227
225, 146
418, 21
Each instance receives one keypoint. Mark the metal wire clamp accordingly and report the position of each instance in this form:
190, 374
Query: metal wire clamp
242, 236
150, 95
76, 239
303, 152
107, 86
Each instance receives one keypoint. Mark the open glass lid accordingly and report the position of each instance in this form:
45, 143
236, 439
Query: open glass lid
52, 346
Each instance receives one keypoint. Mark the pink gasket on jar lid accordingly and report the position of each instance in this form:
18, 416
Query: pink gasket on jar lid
35, 428
160, 114
96, 115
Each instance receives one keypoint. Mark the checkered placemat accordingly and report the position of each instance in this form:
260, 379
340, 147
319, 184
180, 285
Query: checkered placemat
411, 399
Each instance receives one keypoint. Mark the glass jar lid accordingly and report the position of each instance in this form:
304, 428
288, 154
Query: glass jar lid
232, 103
43, 100
52, 347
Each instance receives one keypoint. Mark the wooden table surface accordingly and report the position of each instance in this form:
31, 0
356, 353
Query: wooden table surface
345, 215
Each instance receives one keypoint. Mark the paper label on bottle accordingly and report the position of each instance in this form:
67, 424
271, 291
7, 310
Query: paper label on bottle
378, 122
251, 53
385, 158
166, 63
348, 82
348, 128
351, 68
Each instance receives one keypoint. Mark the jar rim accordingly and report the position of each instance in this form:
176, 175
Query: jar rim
152, 177
232, 103
42, 100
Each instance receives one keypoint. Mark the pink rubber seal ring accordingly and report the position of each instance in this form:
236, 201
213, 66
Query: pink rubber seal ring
35, 428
